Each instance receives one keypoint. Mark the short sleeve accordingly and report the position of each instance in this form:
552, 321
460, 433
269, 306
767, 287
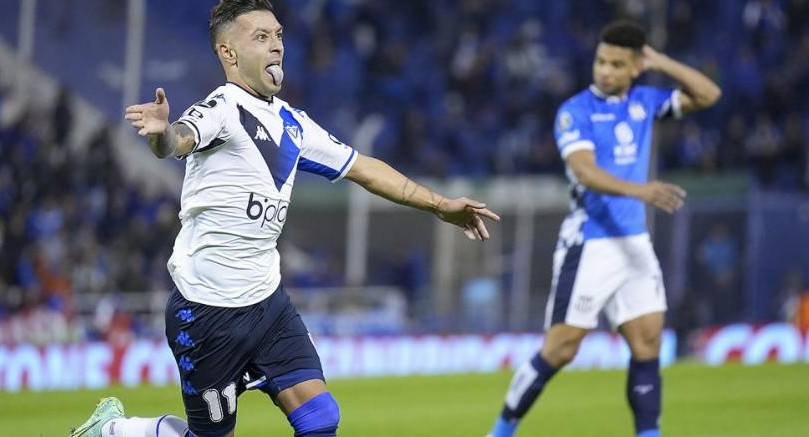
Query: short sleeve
207, 119
664, 103
572, 130
322, 153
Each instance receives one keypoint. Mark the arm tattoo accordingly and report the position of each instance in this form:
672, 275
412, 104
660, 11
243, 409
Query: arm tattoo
185, 137
406, 197
404, 189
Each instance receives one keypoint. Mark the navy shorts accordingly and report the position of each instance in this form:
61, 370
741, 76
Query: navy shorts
221, 352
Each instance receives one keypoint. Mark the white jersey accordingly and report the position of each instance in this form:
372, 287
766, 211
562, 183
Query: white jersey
236, 192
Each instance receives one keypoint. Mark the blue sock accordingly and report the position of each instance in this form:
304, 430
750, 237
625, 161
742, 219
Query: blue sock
643, 389
526, 385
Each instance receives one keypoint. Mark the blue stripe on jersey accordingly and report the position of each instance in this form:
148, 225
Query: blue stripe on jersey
280, 160
564, 284
317, 168
351, 156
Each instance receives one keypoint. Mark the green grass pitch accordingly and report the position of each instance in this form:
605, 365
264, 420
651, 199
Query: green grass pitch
728, 401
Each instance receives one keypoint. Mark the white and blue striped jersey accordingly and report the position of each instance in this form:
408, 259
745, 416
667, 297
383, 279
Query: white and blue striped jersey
619, 132
236, 192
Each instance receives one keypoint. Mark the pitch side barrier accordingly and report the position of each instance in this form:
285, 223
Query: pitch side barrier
99, 365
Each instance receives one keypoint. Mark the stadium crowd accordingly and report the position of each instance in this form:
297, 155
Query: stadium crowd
467, 88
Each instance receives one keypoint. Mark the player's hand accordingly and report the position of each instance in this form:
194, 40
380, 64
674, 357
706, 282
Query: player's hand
150, 118
467, 214
652, 59
668, 197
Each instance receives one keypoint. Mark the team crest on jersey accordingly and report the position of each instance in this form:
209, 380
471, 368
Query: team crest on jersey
293, 131
280, 158
636, 111
565, 121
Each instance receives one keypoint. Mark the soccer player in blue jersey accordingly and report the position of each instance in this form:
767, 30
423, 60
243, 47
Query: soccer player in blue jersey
604, 258
229, 322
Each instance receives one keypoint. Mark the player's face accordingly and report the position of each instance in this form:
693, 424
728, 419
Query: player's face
257, 39
615, 68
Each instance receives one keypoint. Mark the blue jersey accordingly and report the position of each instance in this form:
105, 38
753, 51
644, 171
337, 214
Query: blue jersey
619, 131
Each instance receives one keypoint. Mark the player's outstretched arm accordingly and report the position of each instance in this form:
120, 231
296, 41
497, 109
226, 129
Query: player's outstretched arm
381, 179
152, 121
699, 92
668, 197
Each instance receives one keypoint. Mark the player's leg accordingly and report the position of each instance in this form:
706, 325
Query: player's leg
644, 385
108, 421
560, 347
212, 347
578, 292
638, 309
288, 369
311, 410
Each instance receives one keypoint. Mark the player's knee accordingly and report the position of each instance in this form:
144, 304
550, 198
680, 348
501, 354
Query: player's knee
646, 345
318, 417
171, 426
561, 351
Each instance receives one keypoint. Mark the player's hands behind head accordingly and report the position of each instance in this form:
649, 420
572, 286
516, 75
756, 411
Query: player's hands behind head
651, 58
467, 214
668, 197
150, 118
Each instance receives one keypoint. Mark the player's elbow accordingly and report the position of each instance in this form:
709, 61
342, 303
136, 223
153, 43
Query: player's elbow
709, 97
714, 94
584, 176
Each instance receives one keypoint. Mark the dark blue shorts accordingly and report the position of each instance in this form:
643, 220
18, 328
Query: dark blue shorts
221, 352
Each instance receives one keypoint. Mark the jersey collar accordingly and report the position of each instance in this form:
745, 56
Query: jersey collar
606, 97
267, 101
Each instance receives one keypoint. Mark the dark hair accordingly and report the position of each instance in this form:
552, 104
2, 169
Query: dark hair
624, 33
228, 10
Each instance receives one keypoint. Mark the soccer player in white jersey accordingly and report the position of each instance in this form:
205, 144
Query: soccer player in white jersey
604, 258
229, 322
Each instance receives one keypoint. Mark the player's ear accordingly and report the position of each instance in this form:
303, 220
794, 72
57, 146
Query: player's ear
226, 53
637, 63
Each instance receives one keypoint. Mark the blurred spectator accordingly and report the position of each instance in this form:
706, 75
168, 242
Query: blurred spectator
718, 256
795, 300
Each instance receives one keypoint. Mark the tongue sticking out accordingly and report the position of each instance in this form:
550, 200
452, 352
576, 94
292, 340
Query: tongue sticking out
277, 73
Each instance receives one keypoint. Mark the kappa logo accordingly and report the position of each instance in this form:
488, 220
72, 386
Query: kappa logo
261, 134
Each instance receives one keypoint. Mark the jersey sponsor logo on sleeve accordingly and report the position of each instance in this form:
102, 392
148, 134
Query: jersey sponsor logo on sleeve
565, 121
335, 140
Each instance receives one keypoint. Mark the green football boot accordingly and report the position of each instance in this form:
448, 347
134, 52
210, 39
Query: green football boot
107, 409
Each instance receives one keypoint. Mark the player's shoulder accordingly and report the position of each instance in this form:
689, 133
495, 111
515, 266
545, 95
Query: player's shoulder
576, 102
285, 105
646, 91
571, 110
220, 95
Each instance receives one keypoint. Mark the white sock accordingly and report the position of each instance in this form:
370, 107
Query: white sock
163, 426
